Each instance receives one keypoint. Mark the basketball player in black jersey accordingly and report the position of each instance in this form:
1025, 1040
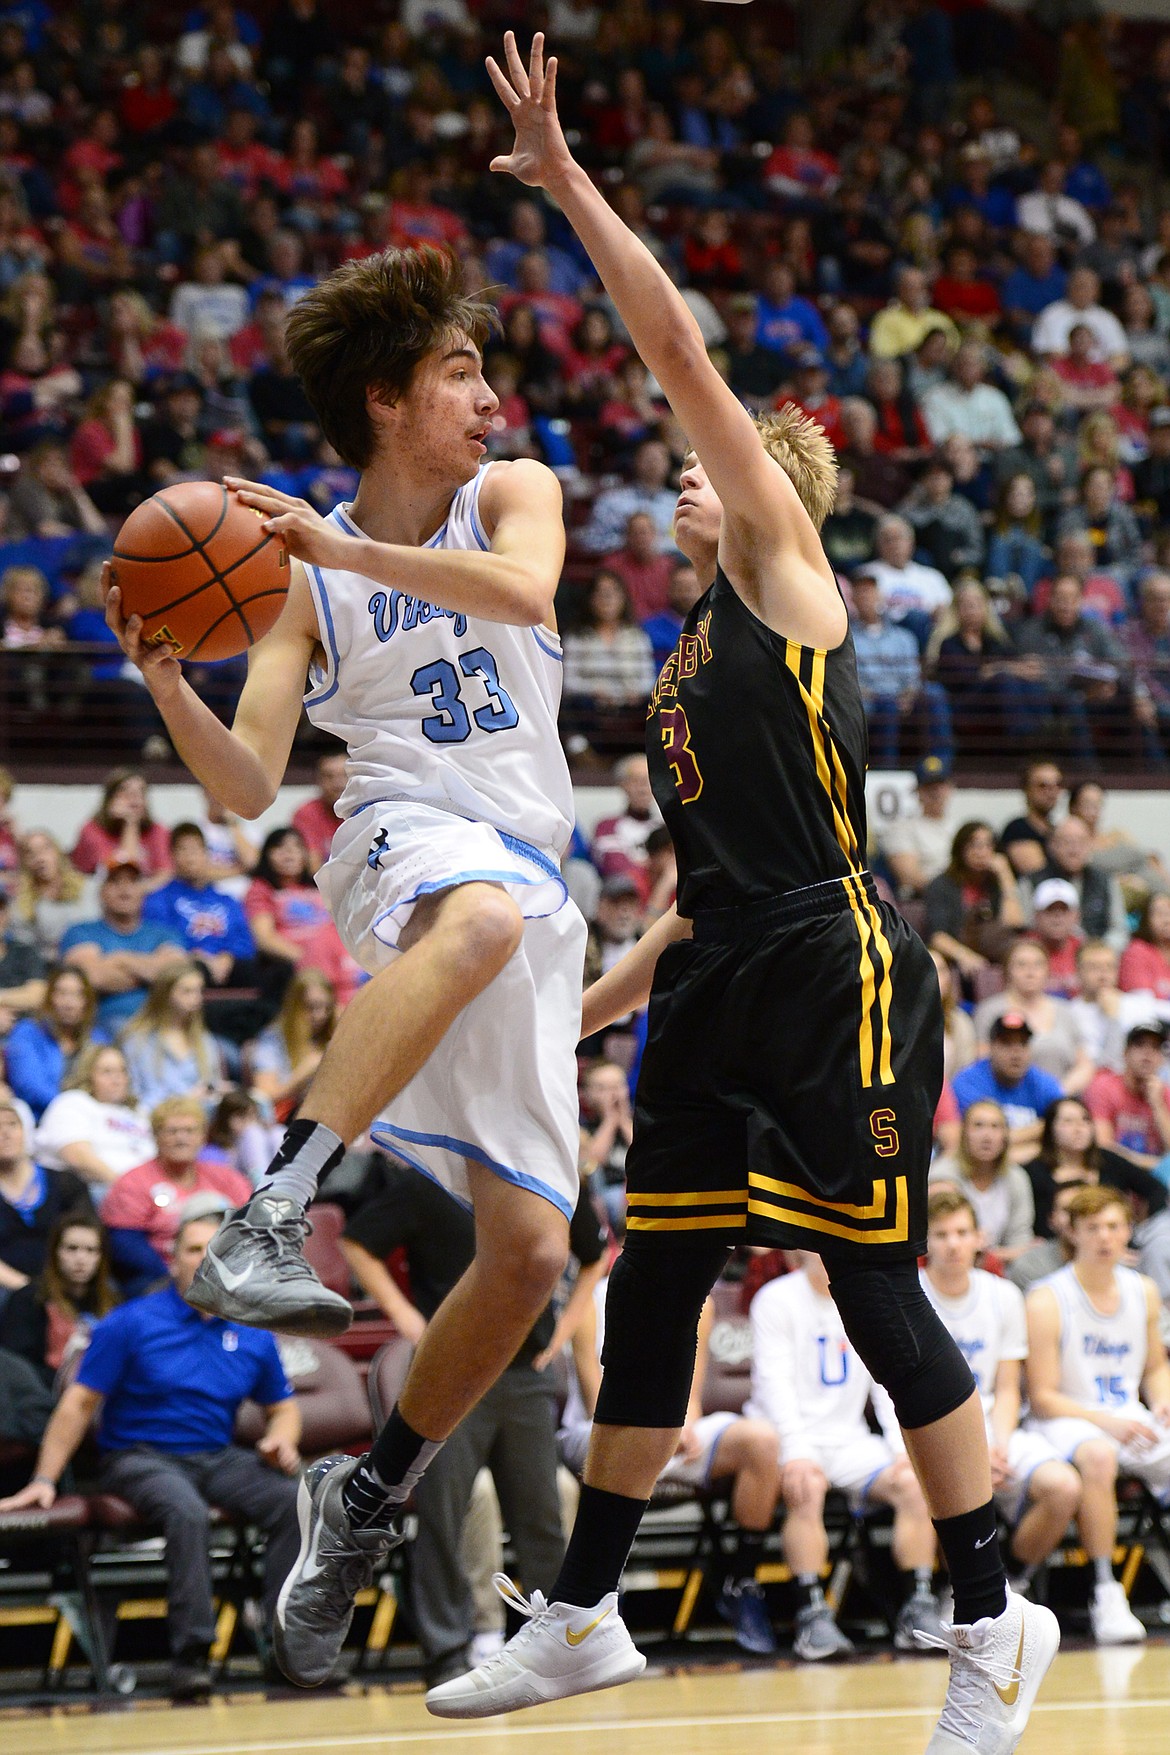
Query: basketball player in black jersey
794, 1055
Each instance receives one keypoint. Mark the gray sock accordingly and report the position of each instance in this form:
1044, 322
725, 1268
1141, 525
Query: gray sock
1103, 1571
310, 1150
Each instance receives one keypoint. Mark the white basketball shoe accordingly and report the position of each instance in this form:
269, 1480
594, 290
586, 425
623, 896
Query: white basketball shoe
997, 1667
561, 1650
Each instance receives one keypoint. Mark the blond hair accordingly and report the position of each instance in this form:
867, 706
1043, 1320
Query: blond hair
172, 1107
805, 453
155, 1016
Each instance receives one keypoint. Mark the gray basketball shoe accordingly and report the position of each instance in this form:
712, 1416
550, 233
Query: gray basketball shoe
315, 1605
255, 1272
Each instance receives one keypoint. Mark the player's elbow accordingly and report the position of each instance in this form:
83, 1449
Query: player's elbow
533, 596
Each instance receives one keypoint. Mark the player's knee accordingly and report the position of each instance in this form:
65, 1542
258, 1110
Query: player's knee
761, 1447
900, 1338
1058, 1486
535, 1266
1097, 1463
804, 1487
484, 929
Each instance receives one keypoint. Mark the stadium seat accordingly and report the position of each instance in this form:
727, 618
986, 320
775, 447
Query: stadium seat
58, 1540
328, 1386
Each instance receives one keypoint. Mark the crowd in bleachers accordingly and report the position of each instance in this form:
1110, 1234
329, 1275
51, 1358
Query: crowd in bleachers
166, 995
972, 294
968, 288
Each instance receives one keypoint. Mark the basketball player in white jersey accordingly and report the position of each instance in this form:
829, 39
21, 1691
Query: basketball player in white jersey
1099, 1386
809, 1383
1036, 1491
418, 628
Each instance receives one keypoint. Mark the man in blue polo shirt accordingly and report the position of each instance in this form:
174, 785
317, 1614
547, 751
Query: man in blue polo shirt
1007, 1077
166, 1384
121, 953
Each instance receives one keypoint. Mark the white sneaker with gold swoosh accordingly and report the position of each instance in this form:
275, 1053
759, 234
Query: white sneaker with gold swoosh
997, 1667
561, 1650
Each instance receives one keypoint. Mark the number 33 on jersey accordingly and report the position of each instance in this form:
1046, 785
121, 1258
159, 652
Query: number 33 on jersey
438, 707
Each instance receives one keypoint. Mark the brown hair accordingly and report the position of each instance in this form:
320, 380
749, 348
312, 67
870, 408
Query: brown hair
944, 1203
805, 453
963, 1156
292, 1020
1088, 1202
44, 1014
116, 778
99, 1297
80, 1075
367, 326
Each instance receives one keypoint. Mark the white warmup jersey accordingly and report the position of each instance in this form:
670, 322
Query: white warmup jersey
806, 1378
1102, 1358
988, 1325
457, 776
439, 708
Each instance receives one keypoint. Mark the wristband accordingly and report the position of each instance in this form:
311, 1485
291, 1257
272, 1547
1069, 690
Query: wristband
46, 1481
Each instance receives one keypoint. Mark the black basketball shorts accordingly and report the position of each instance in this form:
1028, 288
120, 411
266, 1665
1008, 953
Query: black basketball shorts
793, 1064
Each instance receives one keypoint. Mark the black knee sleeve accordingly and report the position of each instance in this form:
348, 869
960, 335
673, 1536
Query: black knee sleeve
900, 1338
656, 1293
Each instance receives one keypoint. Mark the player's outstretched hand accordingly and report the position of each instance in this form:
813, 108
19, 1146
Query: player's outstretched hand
293, 522
540, 155
159, 666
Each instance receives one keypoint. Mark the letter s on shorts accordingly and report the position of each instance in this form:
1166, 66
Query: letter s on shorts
881, 1126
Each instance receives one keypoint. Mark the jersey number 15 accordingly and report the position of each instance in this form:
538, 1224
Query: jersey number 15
451, 722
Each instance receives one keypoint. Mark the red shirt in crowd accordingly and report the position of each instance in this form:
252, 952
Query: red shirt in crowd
1110, 1099
317, 823
147, 1199
647, 582
1144, 969
97, 847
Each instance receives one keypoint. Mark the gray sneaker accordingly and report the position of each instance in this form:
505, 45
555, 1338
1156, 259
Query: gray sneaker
315, 1605
919, 1614
255, 1272
818, 1637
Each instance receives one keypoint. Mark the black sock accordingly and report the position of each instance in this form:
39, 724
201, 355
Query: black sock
809, 1594
749, 1551
971, 1546
599, 1547
308, 1152
387, 1475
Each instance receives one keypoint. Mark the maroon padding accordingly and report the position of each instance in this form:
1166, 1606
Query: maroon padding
322, 1247
329, 1391
110, 1512
69, 1512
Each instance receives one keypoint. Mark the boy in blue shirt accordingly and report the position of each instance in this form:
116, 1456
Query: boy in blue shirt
210, 924
1007, 1077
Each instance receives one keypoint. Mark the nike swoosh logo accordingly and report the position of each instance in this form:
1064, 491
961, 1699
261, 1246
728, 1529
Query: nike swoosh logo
232, 1280
577, 1638
312, 1567
986, 1539
1009, 1696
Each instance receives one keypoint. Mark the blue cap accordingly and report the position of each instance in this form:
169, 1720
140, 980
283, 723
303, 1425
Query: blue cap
932, 771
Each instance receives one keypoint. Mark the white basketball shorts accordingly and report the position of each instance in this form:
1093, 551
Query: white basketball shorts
501, 1088
1149, 1462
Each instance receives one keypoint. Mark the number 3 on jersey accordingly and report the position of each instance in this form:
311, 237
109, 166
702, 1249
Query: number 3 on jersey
676, 741
451, 722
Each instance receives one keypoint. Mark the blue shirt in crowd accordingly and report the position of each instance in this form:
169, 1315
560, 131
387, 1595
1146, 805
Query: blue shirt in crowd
174, 1379
116, 1009
1022, 1103
203, 919
662, 631
1022, 291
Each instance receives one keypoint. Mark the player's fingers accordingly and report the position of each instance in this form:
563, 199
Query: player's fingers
516, 71
501, 164
536, 67
549, 99
502, 85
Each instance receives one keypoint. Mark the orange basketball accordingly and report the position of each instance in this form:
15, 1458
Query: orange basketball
197, 567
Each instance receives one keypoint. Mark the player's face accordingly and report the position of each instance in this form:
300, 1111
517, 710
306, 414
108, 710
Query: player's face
952, 1244
443, 421
1102, 1238
698, 514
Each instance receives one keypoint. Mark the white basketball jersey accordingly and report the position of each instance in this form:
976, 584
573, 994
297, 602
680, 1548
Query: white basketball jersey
987, 1326
1103, 1358
440, 708
806, 1378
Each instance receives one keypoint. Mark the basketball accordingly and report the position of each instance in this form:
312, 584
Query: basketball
198, 568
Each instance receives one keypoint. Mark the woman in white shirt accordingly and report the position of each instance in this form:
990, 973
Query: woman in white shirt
96, 1126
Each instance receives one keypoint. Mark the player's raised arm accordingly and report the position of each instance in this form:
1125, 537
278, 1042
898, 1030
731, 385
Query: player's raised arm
766, 527
242, 767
